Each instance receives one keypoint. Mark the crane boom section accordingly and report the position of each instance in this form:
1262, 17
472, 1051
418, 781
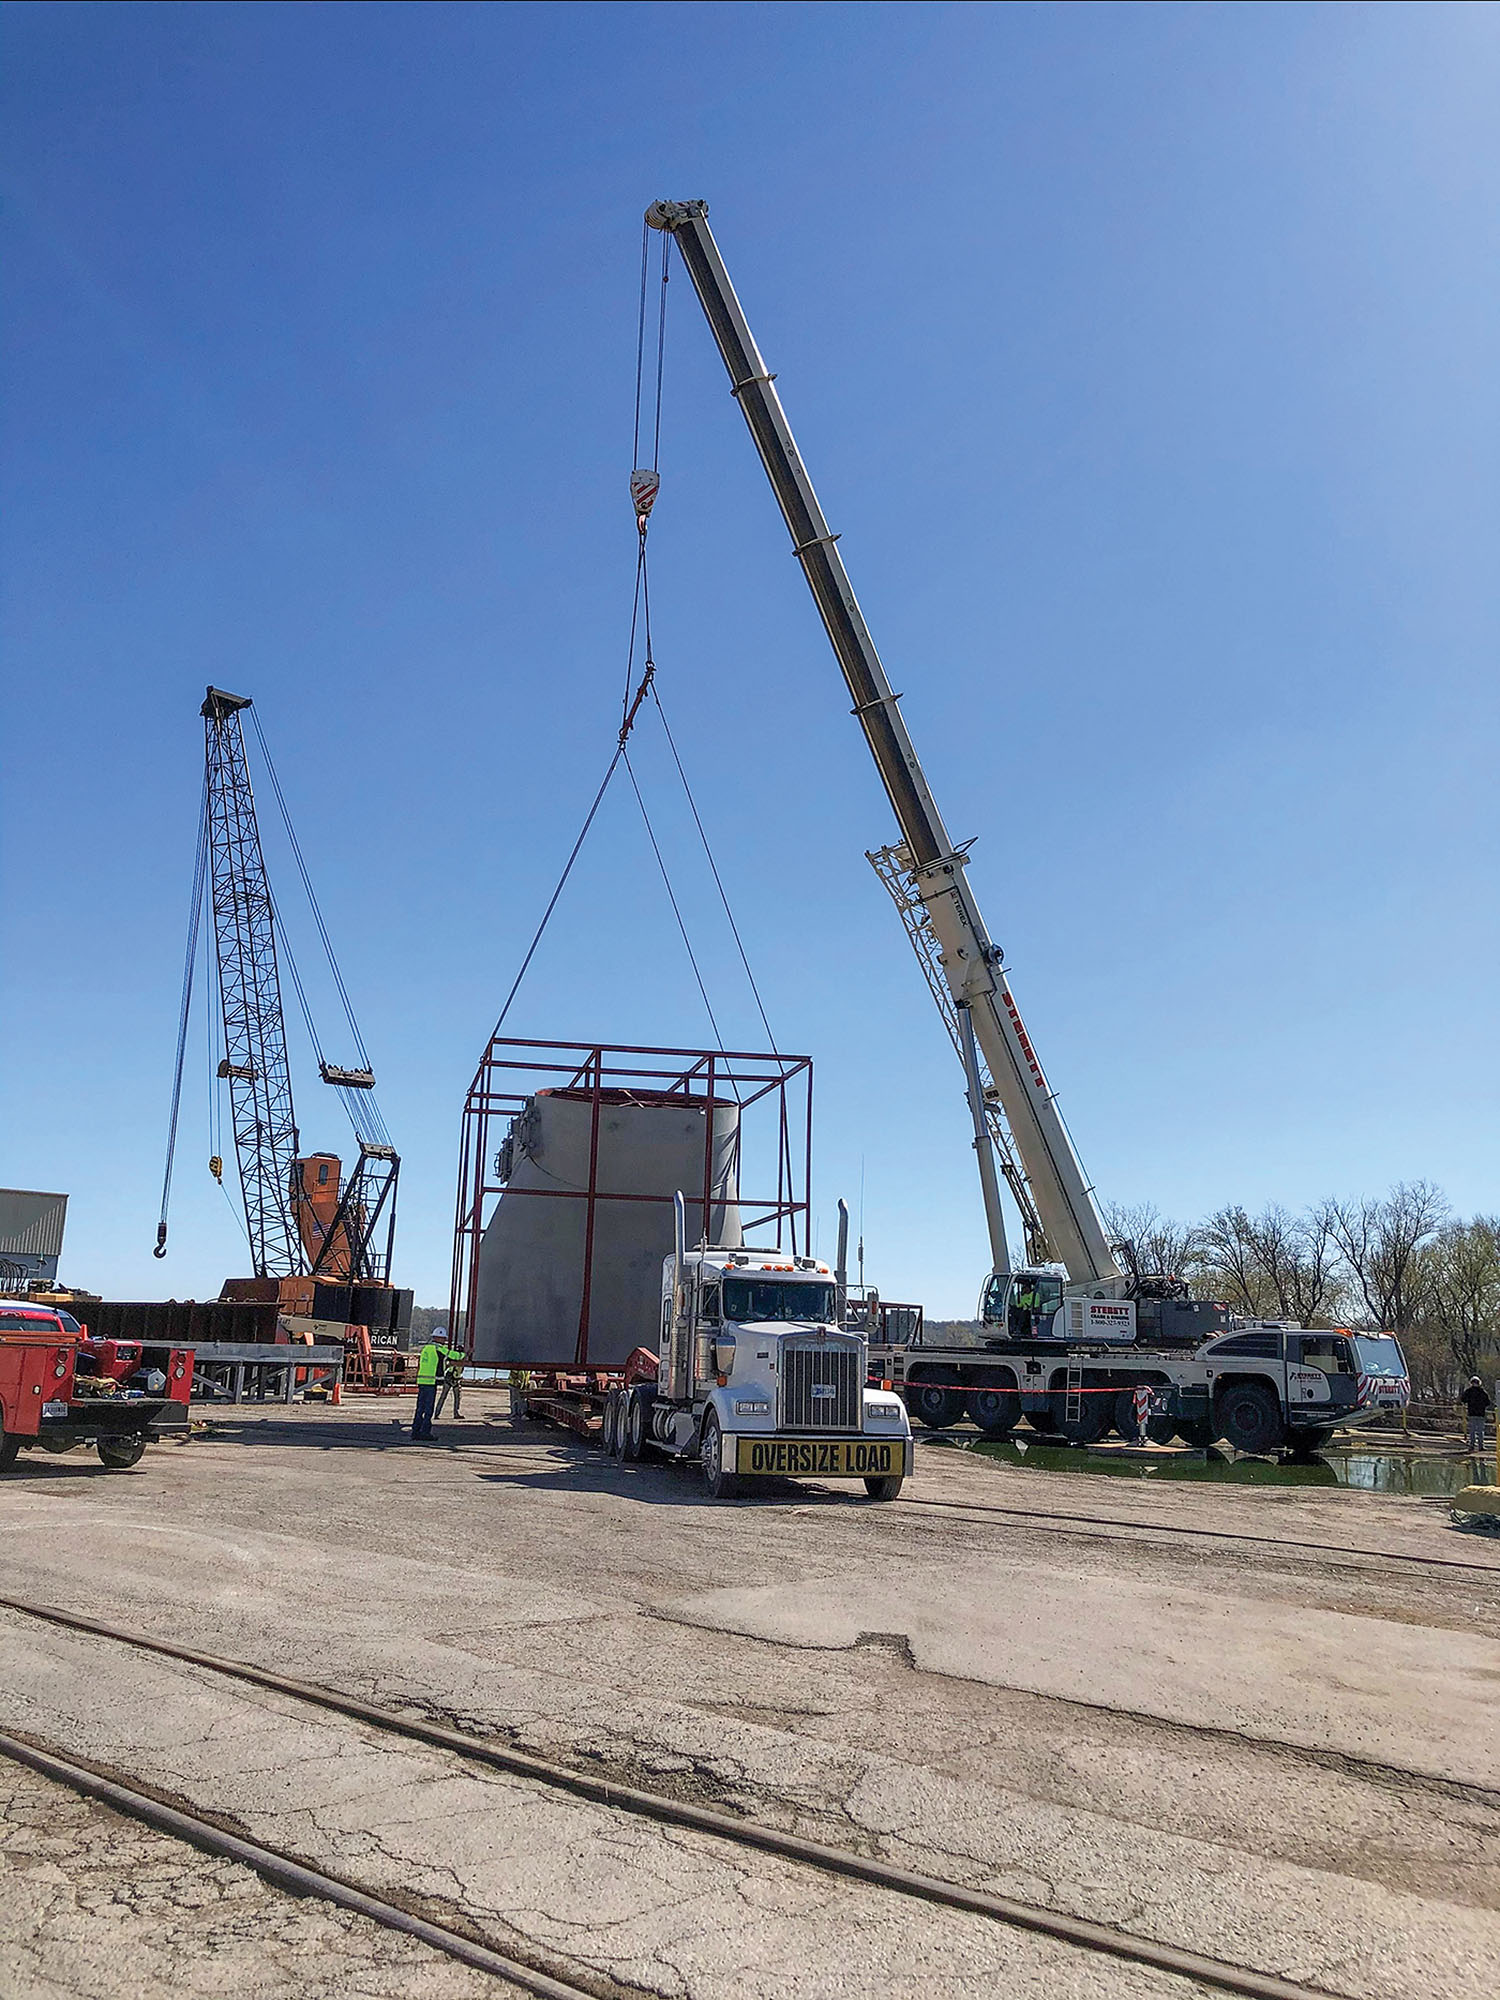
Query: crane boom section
255, 1056
971, 963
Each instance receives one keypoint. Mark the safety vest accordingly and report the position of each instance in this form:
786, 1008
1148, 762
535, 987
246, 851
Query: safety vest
428, 1363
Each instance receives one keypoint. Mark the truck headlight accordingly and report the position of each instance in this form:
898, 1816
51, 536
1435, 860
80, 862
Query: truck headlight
752, 1409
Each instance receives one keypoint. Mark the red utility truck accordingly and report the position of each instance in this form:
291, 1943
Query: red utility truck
59, 1389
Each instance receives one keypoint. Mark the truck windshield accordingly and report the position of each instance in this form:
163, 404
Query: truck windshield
765, 1298
1379, 1354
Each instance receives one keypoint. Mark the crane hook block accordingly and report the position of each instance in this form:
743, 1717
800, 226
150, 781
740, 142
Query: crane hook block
216, 1168
161, 1240
644, 486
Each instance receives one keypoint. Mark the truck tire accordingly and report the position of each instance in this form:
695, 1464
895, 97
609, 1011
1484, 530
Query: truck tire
1249, 1416
1200, 1436
995, 1411
609, 1427
885, 1488
118, 1454
1092, 1421
720, 1485
1160, 1430
935, 1408
10, 1448
633, 1427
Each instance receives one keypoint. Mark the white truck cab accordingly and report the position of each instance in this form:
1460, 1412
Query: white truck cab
757, 1379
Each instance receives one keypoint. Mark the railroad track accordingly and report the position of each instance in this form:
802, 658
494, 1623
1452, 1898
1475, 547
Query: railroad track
1046, 1517
288, 1872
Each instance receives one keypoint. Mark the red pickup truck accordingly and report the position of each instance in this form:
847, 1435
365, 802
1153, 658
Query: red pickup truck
58, 1388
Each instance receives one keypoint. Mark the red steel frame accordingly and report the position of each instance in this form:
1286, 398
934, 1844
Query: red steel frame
513, 1071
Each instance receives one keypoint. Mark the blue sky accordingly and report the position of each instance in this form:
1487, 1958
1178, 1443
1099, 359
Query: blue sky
1145, 358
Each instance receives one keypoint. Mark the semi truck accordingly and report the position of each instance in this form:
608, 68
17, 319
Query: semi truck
59, 1389
757, 1379
1070, 1332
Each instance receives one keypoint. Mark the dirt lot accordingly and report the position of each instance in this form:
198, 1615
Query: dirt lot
1273, 1755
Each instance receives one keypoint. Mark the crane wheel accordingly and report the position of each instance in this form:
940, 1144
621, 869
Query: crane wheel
935, 1408
1249, 1415
995, 1411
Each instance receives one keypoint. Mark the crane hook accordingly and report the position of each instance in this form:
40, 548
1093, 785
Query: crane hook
644, 485
161, 1240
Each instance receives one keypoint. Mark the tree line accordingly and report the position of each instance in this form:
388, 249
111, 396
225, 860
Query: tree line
1402, 1264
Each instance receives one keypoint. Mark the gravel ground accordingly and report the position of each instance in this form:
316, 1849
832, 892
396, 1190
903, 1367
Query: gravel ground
1282, 1757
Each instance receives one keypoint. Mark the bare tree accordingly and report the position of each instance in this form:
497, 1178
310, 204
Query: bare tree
1385, 1245
1152, 1242
1464, 1289
1274, 1265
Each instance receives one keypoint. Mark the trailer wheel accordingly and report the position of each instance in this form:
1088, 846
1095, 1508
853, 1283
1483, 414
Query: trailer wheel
885, 1488
995, 1411
118, 1454
1250, 1418
721, 1485
935, 1408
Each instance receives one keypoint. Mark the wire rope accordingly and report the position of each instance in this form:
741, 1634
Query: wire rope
327, 942
713, 866
190, 959
676, 911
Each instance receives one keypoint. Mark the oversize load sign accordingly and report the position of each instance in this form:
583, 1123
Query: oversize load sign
833, 1458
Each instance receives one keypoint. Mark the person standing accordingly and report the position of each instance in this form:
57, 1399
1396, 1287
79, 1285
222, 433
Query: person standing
1477, 1406
454, 1359
429, 1368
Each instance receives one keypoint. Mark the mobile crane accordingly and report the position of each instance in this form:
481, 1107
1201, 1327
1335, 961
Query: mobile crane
1055, 1327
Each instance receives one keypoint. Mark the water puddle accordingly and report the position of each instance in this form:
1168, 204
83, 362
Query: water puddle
1423, 1473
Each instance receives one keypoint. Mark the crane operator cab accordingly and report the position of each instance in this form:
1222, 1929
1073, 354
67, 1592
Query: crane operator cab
1021, 1305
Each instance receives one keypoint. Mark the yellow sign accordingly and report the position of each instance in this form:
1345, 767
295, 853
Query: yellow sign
826, 1458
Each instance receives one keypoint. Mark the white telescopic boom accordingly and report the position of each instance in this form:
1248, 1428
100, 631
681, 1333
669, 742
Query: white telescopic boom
971, 964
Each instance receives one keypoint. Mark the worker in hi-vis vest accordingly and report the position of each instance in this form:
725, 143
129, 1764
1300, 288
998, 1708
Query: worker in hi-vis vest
430, 1365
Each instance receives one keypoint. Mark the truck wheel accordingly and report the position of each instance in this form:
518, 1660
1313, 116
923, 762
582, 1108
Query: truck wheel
721, 1485
635, 1424
936, 1409
118, 1454
10, 1448
1160, 1430
1089, 1425
1250, 1418
995, 1411
884, 1489
609, 1429
1201, 1436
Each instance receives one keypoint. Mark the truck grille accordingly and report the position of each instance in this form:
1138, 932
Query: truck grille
821, 1387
